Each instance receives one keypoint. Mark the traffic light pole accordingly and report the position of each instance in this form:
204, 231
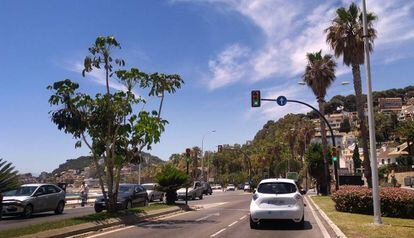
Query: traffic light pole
186, 188
330, 129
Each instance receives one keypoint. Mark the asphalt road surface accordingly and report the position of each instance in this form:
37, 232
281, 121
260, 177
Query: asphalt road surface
10, 222
224, 214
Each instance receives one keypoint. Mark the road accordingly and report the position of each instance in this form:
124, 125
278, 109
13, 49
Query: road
224, 215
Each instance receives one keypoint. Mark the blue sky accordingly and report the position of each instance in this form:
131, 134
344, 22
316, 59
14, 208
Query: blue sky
221, 48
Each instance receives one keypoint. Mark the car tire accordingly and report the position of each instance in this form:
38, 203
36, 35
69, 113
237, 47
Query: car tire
28, 211
98, 209
301, 224
60, 207
201, 197
146, 202
128, 204
193, 197
152, 198
253, 224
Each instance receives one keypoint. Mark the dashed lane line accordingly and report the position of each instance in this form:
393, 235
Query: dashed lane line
233, 223
218, 232
241, 218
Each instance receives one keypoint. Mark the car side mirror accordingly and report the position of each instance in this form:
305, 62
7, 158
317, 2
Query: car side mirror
303, 191
254, 190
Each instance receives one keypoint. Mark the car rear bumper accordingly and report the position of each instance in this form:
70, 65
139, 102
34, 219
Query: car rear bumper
284, 213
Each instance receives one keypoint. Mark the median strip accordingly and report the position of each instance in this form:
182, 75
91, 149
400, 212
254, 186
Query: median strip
92, 222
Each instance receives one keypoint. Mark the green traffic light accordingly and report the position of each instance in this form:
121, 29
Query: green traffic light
334, 158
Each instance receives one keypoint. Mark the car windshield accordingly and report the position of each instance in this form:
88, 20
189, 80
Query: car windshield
230, 185
24, 191
276, 188
126, 189
148, 186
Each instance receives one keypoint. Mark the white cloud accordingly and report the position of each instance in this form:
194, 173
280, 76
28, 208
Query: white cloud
293, 28
228, 67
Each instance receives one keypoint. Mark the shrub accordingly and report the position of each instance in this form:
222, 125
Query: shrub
170, 179
395, 202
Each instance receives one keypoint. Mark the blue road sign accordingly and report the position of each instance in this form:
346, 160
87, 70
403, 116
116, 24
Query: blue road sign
281, 100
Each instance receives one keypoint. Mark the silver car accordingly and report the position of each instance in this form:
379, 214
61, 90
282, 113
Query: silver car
32, 198
153, 193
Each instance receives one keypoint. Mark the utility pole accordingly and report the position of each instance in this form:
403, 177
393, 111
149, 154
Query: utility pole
371, 122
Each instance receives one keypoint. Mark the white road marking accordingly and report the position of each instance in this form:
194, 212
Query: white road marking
318, 221
139, 223
241, 218
210, 205
218, 232
232, 223
203, 218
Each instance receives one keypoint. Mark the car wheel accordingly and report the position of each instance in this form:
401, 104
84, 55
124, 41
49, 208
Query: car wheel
152, 198
128, 205
201, 196
253, 225
193, 197
301, 224
27, 212
146, 202
59, 208
98, 209
162, 198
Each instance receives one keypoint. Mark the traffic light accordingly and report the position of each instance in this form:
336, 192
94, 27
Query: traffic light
256, 98
220, 148
334, 155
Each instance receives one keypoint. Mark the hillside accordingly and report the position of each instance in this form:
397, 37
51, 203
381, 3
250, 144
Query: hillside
84, 161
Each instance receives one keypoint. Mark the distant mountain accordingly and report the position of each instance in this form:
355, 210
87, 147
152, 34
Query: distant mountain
84, 161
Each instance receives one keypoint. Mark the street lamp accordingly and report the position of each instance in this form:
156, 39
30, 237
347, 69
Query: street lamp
202, 153
371, 122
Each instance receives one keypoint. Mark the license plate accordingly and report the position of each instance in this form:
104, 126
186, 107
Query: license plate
275, 202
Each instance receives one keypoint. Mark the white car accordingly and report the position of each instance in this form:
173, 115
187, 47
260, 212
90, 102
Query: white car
230, 187
276, 199
246, 187
152, 191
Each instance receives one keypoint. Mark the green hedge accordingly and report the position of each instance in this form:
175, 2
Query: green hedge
395, 202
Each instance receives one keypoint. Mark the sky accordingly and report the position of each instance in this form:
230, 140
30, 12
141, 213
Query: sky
223, 49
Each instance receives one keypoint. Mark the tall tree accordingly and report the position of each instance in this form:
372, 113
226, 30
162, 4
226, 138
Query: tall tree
346, 37
114, 125
319, 75
345, 126
406, 131
8, 176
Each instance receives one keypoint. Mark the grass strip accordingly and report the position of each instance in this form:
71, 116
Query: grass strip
359, 225
96, 217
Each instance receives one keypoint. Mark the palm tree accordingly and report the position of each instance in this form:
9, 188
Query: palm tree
345, 36
319, 75
8, 176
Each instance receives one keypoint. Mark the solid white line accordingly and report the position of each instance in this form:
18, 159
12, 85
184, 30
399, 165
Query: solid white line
218, 232
232, 223
318, 221
241, 218
203, 218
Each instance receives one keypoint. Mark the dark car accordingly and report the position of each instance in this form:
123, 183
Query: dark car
206, 188
129, 195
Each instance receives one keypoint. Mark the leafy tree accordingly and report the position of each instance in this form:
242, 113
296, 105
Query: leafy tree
405, 161
316, 165
356, 159
406, 131
345, 36
345, 126
319, 75
170, 179
114, 125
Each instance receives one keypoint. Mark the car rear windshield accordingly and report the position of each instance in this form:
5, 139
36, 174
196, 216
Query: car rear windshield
126, 189
24, 191
277, 188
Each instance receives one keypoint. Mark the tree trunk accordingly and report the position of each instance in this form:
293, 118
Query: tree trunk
360, 104
160, 108
326, 187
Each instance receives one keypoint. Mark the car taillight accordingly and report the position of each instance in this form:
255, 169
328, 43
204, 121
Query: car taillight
255, 196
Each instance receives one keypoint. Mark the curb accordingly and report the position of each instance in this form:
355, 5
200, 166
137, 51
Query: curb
335, 228
96, 226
